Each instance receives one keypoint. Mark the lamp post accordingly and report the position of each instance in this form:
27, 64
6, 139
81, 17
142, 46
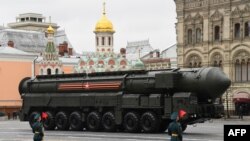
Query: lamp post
228, 116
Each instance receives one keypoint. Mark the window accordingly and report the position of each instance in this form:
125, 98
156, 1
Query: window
109, 41
217, 61
237, 31
247, 29
48, 71
190, 33
111, 62
198, 35
242, 70
91, 62
40, 20
194, 61
217, 33
103, 40
57, 71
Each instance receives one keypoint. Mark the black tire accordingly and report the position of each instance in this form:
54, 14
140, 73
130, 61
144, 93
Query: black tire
131, 122
150, 122
183, 127
108, 122
62, 122
49, 123
75, 120
94, 121
31, 118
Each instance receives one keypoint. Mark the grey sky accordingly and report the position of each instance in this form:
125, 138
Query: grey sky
132, 19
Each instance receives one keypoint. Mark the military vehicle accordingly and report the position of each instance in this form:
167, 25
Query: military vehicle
132, 101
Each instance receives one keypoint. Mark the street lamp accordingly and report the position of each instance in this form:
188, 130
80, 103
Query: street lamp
228, 116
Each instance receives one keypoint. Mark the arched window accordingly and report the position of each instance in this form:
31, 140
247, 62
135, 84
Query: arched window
190, 38
217, 33
242, 67
243, 70
111, 62
194, 61
215, 64
198, 35
57, 71
237, 71
82, 63
123, 63
48, 71
103, 41
101, 62
247, 29
217, 60
109, 41
97, 41
91, 62
220, 64
190, 65
237, 31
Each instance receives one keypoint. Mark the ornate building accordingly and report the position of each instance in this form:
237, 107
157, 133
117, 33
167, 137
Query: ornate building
217, 33
104, 59
50, 63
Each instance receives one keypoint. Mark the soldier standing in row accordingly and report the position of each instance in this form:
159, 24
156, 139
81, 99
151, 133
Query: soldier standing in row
38, 129
174, 128
241, 110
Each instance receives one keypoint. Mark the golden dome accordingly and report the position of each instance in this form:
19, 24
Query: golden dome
104, 24
50, 30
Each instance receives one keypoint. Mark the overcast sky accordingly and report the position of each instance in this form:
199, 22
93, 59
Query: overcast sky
132, 19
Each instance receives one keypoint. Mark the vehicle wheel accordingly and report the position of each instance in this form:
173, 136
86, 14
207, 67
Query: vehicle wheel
94, 121
131, 122
108, 122
75, 120
49, 123
62, 122
150, 122
183, 127
31, 118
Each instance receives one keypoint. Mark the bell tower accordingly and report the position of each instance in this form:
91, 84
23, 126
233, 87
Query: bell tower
104, 34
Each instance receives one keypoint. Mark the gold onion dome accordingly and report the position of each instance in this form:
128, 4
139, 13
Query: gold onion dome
50, 30
104, 24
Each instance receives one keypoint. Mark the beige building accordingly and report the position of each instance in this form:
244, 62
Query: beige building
33, 22
154, 61
217, 33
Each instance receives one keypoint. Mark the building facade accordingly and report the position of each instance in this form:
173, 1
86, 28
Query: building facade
154, 61
138, 49
171, 54
50, 63
14, 66
217, 33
